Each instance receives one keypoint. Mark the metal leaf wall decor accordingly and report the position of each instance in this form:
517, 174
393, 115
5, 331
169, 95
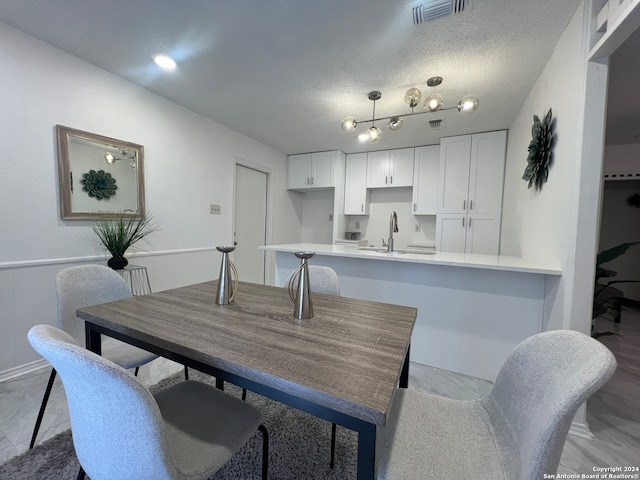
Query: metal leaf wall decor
98, 184
540, 151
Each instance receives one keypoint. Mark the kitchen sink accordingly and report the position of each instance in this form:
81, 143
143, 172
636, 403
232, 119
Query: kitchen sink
398, 251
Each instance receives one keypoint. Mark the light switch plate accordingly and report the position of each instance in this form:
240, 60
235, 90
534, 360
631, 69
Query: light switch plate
215, 209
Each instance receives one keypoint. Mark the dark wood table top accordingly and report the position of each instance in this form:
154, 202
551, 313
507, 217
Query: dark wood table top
348, 357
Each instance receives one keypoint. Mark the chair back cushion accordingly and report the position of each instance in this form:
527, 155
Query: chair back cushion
536, 394
116, 424
85, 286
323, 280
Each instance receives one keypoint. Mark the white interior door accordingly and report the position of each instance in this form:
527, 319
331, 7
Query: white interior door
250, 223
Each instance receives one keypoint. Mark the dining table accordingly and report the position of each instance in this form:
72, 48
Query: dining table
343, 365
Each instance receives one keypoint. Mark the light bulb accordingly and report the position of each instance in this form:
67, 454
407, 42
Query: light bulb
395, 123
468, 104
349, 124
374, 134
109, 158
165, 62
433, 102
412, 97
363, 136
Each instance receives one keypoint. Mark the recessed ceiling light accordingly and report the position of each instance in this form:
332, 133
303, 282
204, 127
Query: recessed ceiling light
165, 61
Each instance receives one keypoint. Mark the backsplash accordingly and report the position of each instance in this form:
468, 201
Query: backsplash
375, 226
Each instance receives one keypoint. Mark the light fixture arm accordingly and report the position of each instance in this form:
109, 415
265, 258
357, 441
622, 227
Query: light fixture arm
433, 103
412, 114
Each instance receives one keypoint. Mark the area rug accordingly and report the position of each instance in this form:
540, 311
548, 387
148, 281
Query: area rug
299, 448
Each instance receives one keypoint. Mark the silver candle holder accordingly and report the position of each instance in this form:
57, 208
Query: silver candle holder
301, 293
227, 287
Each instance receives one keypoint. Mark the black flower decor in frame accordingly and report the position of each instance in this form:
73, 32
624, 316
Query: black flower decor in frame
540, 151
98, 184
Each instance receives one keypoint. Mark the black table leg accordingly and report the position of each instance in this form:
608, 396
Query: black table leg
404, 375
367, 452
92, 339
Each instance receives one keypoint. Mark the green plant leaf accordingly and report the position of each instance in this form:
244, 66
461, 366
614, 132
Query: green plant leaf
120, 234
614, 252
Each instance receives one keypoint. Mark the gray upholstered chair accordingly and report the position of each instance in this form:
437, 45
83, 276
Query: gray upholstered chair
121, 431
323, 280
516, 431
85, 286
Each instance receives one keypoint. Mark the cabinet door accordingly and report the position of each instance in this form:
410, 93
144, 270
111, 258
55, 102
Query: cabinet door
298, 169
483, 234
425, 180
356, 198
450, 233
401, 167
453, 174
322, 164
378, 169
486, 174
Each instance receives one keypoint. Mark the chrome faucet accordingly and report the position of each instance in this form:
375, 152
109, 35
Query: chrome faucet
393, 227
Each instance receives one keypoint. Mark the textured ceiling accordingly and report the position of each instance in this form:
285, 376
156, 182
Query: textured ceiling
285, 72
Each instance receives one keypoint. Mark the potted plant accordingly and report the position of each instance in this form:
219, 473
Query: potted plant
119, 234
608, 299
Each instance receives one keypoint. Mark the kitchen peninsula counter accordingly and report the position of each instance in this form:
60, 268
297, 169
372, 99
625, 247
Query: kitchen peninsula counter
472, 309
451, 259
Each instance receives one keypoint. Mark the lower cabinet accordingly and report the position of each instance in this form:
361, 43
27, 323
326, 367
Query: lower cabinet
479, 233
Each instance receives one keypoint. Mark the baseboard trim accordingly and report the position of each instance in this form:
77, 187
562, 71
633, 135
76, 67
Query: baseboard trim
581, 430
23, 369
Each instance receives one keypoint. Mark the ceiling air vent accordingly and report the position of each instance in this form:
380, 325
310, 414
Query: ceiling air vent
432, 9
436, 124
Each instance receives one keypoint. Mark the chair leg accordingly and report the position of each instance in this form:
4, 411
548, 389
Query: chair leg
265, 451
43, 406
81, 474
333, 446
186, 373
135, 374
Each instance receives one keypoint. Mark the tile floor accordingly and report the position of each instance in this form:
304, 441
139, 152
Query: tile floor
613, 413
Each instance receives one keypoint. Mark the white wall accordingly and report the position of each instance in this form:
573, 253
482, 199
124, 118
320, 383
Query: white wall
622, 158
375, 226
540, 226
188, 165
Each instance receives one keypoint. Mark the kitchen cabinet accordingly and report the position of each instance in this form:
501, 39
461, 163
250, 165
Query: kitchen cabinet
356, 195
471, 173
475, 233
425, 180
311, 170
470, 186
390, 168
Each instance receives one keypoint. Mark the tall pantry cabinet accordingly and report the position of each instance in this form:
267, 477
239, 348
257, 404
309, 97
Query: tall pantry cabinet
470, 186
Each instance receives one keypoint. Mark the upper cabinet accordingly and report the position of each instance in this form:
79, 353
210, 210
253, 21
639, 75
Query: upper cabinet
312, 170
425, 180
471, 173
390, 168
356, 195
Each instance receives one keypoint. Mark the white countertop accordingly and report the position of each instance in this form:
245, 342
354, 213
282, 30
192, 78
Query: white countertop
488, 262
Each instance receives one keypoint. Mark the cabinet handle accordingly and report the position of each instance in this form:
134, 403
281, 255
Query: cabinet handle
464, 204
391, 181
470, 206
362, 207
311, 180
414, 207
463, 221
469, 222
385, 180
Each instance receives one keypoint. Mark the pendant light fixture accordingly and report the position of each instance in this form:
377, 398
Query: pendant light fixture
412, 97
